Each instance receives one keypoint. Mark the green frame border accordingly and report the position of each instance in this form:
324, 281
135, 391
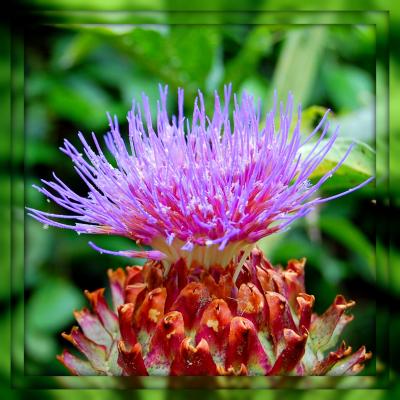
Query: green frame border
380, 19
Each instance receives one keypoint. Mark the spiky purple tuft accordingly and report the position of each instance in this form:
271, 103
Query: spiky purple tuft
199, 189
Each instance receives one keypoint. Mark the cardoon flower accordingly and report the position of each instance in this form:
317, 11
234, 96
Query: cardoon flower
200, 193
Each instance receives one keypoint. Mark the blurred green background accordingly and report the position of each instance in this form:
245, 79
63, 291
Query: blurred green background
74, 73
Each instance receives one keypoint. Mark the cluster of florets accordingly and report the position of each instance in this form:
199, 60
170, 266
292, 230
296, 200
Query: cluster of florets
206, 188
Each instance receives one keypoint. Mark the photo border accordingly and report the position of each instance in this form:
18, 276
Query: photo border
380, 19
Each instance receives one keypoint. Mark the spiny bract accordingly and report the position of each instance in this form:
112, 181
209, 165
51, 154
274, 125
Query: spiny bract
199, 321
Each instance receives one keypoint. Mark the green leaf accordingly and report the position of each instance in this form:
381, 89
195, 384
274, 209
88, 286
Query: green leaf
347, 234
358, 166
39, 152
41, 346
362, 44
39, 249
37, 121
193, 51
393, 150
73, 50
180, 56
243, 66
298, 62
349, 87
51, 305
358, 124
79, 99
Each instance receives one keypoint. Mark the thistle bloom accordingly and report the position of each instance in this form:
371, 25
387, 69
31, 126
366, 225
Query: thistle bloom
201, 193
202, 189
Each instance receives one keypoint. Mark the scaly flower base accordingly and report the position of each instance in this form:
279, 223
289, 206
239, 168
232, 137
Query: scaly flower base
197, 321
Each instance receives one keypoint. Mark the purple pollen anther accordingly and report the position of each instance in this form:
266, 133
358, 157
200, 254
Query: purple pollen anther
215, 184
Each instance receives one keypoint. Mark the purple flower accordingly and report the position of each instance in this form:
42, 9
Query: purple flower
205, 189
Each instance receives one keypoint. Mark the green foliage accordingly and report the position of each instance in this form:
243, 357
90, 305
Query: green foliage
46, 316
349, 87
357, 167
301, 53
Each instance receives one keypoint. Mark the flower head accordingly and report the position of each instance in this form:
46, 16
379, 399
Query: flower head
205, 189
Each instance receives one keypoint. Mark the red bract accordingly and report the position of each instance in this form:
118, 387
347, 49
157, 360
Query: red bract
197, 321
